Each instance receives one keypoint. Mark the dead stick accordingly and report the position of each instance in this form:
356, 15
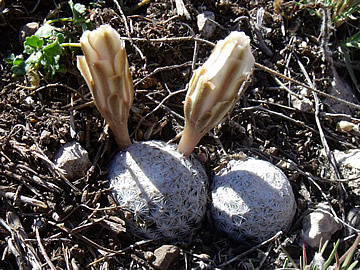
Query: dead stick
23, 199
43, 251
273, 72
238, 257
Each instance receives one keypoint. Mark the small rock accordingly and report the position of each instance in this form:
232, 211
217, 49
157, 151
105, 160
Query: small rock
45, 137
305, 92
205, 23
319, 225
346, 126
353, 219
303, 104
29, 101
349, 165
73, 159
149, 256
165, 255
55, 216
349, 162
340, 88
39, 223
28, 30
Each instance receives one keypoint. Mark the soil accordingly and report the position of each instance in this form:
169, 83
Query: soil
81, 227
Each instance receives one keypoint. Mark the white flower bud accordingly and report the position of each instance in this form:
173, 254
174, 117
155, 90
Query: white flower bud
214, 88
106, 71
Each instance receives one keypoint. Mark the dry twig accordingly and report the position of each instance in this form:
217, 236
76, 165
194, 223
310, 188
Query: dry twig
242, 255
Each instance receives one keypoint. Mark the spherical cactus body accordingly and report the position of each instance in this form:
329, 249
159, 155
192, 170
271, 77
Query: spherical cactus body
164, 192
252, 199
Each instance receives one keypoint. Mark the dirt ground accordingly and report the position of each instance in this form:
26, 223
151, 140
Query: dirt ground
44, 217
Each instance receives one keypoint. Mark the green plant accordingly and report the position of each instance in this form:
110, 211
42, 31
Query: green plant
346, 46
43, 50
341, 11
345, 262
353, 41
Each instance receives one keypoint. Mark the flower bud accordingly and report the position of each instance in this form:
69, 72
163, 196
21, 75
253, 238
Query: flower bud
214, 88
106, 71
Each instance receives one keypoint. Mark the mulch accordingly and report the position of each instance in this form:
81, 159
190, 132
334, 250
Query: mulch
48, 221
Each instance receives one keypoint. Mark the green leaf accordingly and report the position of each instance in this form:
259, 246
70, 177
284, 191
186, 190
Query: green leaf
86, 25
352, 266
348, 256
60, 37
252, 265
44, 49
97, 4
53, 49
353, 41
17, 64
332, 255
51, 57
46, 31
33, 61
347, 59
18, 60
10, 59
289, 257
34, 41
286, 263
71, 4
79, 9
32, 44
54, 65
18, 70
348, 10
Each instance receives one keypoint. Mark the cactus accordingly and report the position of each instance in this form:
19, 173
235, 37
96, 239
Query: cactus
105, 69
252, 199
215, 87
164, 192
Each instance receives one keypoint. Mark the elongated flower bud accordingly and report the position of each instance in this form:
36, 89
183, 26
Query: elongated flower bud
214, 88
106, 71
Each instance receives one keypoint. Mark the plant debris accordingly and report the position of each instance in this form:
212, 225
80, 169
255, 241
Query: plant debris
302, 50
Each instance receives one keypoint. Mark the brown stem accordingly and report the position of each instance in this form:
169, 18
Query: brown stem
121, 134
189, 140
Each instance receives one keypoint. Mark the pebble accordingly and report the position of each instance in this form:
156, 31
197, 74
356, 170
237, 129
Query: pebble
205, 23
353, 219
348, 127
45, 137
349, 165
29, 101
28, 30
319, 225
348, 162
73, 159
165, 256
304, 104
